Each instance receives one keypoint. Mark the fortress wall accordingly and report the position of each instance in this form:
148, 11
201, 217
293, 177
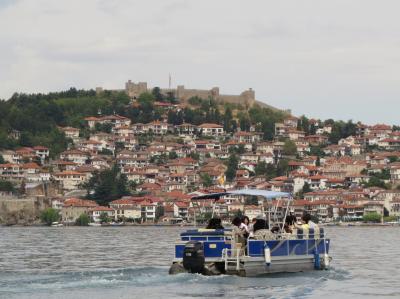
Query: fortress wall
186, 94
247, 97
233, 99
21, 211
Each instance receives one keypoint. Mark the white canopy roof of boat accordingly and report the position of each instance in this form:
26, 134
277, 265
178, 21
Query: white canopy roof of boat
251, 192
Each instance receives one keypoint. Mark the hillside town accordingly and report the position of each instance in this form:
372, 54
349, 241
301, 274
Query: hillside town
164, 165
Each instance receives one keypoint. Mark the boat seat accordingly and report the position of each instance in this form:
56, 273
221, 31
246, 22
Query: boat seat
264, 234
288, 236
302, 233
312, 233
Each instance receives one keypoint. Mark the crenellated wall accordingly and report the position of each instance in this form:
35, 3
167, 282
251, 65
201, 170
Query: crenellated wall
135, 89
247, 97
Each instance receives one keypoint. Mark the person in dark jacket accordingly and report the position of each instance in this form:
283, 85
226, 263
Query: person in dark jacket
260, 224
214, 223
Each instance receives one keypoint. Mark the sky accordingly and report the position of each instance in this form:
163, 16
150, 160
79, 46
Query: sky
325, 59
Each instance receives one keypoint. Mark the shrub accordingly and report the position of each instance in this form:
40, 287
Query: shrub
372, 217
49, 216
83, 220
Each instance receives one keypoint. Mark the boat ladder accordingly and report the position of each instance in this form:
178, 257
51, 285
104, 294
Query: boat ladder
231, 258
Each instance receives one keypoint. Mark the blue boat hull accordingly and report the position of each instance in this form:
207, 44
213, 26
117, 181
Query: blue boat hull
286, 255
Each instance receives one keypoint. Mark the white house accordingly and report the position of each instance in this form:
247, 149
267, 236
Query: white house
208, 129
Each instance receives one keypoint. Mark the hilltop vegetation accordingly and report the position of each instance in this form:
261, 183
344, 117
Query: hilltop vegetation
37, 116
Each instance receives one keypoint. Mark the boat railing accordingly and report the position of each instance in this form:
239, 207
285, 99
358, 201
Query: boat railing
298, 233
207, 238
311, 245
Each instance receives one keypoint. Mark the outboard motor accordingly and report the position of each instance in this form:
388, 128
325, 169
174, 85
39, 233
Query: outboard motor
193, 257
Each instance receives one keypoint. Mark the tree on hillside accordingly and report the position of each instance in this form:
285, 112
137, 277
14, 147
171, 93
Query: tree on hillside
195, 101
306, 188
289, 148
303, 124
206, 180
106, 127
175, 118
227, 119
2, 161
244, 122
172, 155
26, 139
158, 96
6, 186
194, 156
341, 129
270, 171
282, 167
316, 150
145, 98
232, 164
107, 185
146, 111
265, 118
261, 168
5, 141
375, 181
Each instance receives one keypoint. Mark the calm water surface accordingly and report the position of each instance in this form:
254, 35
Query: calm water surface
132, 262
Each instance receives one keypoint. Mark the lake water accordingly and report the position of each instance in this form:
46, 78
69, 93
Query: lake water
133, 262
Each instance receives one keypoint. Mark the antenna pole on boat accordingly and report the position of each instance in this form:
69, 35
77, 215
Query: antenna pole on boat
269, 215
286, 211
194, 216
213, 209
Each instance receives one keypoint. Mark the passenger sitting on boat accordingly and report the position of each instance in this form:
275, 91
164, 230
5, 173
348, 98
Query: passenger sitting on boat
237, 232
307, 223
261, 230
275, 229
287, 228
260, 224
290, 223
251, 227
291, 219
245, 225
214, 223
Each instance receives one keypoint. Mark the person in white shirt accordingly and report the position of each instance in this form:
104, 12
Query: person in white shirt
245, 225
251, 227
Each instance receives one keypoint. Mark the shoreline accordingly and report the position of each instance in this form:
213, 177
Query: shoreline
343, 224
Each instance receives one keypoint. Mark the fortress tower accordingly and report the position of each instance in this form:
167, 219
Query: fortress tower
135, 89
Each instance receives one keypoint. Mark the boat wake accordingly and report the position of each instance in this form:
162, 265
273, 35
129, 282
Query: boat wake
141, 278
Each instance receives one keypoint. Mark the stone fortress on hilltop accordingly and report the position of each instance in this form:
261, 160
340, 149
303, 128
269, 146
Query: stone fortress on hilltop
246, 97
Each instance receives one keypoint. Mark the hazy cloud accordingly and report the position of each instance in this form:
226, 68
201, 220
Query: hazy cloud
325, 59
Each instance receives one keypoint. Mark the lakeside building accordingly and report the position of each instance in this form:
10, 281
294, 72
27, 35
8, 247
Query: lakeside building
169, 163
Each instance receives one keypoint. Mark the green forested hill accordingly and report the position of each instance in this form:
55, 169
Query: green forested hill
37, 116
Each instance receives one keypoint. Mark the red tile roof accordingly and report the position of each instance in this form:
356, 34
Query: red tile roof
77, 202
209, 125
